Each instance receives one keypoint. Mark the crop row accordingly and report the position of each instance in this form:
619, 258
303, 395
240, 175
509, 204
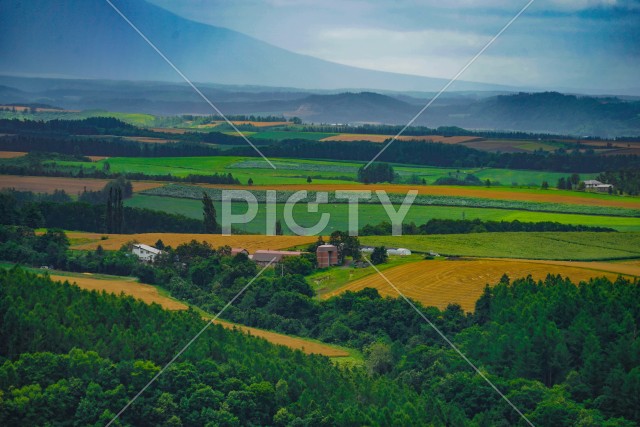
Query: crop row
195, 192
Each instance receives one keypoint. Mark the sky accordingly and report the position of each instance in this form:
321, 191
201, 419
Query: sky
587, 45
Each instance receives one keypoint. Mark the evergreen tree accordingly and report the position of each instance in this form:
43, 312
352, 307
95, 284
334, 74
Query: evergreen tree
209, 213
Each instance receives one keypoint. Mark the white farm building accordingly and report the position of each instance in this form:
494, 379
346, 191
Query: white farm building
145, 253
398, 251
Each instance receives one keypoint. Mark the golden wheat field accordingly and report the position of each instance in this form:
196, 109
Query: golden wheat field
442, 282
149, 294
43, 184
251, 242
11, 154
308, 347
128, 286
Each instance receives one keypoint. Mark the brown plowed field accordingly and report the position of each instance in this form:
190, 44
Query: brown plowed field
439, 283
46, 184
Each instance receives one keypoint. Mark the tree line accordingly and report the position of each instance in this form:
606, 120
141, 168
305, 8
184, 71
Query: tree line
410, 152
457, 226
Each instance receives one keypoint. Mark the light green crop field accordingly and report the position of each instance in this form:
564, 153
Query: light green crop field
137, 119
560, 246
374, 214
294, 171
282, 135
258, 170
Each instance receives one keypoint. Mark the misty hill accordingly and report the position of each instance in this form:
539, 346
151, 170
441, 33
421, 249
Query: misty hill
88, 39
548, 112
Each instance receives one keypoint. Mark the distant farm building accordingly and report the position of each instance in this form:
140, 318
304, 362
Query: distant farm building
263, 257
145, 253
390, 251
236, 251
593, 185
327, 255
398, 251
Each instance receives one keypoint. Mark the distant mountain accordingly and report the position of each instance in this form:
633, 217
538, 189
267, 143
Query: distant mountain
87, 39
548, 112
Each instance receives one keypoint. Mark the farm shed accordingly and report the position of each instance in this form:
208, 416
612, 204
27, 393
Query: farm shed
327, 255
398, 251
263, 257
236, 251
145, 253
592, 184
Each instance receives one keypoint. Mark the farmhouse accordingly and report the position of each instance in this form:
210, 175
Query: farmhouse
263, 257
236, 251
327, 255
145, 253
593, 185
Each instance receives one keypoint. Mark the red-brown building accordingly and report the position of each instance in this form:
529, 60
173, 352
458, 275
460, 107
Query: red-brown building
327, 255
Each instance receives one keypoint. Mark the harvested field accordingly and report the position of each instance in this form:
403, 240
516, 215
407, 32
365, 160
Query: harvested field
248, 241
97, 158
11, 154
308, 347
625, 268
128, 286
45, 184
347, 137
547, 196
439, 283
149, 294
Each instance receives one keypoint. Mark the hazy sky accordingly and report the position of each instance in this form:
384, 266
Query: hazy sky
559, 44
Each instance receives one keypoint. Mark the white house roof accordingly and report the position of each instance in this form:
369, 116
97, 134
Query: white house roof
592, 182
148, 248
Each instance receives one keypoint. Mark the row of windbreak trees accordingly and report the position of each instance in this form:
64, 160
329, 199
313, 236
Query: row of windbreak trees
40, 136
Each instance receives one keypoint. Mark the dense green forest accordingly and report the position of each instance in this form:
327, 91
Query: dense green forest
76, 357
562, 352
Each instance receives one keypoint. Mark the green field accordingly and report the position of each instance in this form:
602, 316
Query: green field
282, 135
137, 119
289, 171
330, 279
561, 246
374, 214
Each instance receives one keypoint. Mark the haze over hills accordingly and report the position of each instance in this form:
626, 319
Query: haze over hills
88, 39
548, 112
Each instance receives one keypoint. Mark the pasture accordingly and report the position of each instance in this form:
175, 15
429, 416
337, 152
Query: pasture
294, 171
585, 246
374, 214
443, 282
